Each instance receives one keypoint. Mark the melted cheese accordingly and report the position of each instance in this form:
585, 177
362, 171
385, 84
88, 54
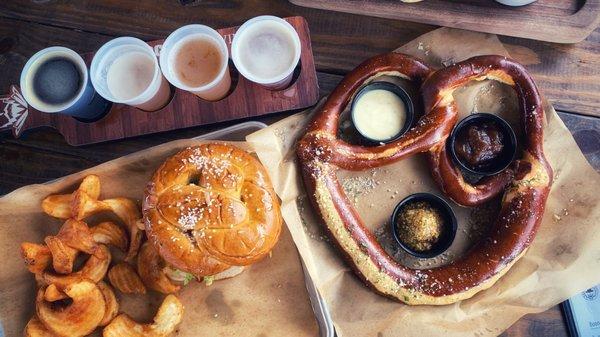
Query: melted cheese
379, 114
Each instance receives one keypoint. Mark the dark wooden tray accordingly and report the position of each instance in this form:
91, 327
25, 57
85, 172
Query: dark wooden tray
564, 21
185, 109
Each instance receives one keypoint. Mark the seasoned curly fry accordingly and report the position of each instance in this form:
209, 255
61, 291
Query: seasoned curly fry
35, 328
110, 233
112, 306
128, 211
167, 318
94, 269
61, 249
74, 303
84, 202
125, 209
63, 256
83, 205
53, 294
123, 277
59, 205
78, 318
151, 268
76, 234
37, 257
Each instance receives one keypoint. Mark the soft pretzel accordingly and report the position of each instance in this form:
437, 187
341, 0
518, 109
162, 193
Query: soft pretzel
526, 184
211, 207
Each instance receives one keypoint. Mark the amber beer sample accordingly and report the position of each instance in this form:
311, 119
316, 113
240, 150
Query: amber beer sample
125, 70
196, 61
194, 58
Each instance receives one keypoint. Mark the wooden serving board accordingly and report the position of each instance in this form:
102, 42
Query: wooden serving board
564, 21
185, 110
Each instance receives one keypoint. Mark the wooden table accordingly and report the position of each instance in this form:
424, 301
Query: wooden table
569, 76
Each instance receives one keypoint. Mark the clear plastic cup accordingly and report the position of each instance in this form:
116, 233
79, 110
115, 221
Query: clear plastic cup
219, 86
266, 60
156, 94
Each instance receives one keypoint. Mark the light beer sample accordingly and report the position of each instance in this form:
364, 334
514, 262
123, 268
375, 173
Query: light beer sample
129, 75
266, 50
125, 70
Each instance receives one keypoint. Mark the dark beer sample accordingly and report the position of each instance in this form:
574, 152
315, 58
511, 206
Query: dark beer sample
57, 81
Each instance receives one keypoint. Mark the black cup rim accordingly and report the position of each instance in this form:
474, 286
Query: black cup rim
508, 133
449, 229
398, 91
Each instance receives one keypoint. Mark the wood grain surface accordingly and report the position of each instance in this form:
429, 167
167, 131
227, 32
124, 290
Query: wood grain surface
546, 20
568, 75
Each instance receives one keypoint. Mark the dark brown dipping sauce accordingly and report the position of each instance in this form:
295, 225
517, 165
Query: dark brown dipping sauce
479, 145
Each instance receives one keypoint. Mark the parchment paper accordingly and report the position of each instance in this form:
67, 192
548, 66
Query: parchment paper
563, 259
268, 299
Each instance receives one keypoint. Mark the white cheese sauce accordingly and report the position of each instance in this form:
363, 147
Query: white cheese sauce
379, 114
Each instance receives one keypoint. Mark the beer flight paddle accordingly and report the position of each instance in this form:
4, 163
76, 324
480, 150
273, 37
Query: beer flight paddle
246, 99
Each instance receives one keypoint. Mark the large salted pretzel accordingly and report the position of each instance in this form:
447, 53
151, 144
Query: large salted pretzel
525, 184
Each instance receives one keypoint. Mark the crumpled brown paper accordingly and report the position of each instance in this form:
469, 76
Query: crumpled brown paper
558, 264
268, 299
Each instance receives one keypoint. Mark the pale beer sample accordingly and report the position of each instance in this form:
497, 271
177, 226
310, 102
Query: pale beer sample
129, 75
266, 50
125, 70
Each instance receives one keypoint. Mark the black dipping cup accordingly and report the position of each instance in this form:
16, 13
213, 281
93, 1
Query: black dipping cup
449, 227
398, 91
506, 156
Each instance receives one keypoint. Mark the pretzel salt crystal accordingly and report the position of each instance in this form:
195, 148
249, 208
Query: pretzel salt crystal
321, 154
